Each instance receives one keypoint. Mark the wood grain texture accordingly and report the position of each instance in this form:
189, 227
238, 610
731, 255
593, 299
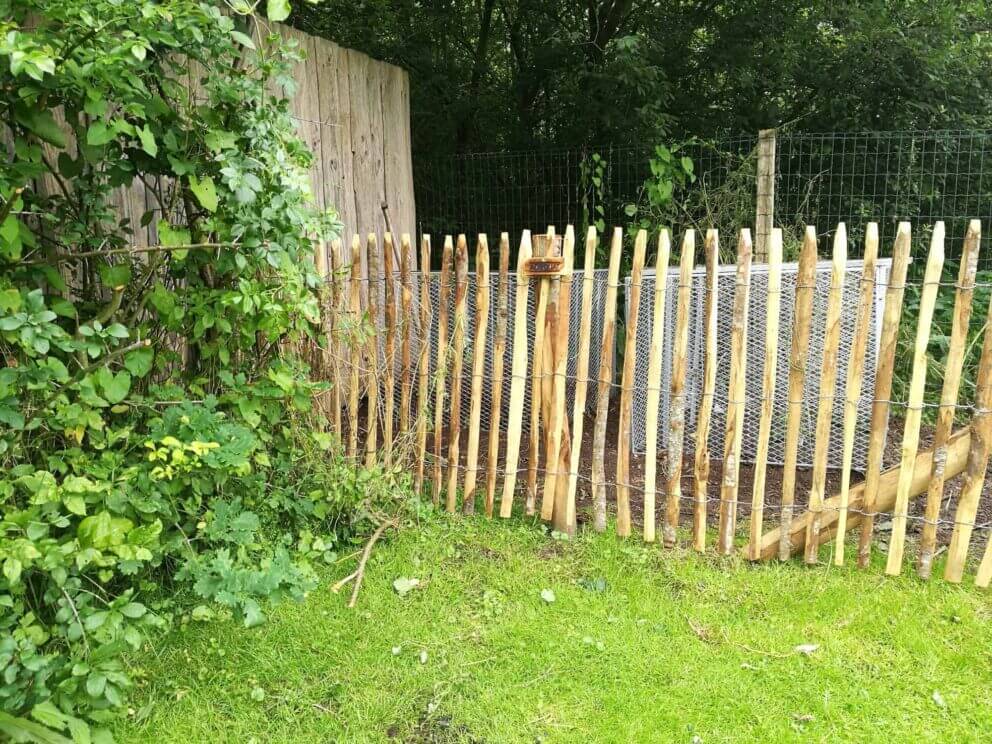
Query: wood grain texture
914, 407
953, 365
828, 384
885, 366
441, 370
798, 355
389, 356
581, 373
736, 392
423, 362
653, 382
499, 351
537, 377
559, 441
627, 386
676, 415
457, 362
355, 386
855, 373
518, 377
705, 413
406, 331
773, 306
372, 351
478, 371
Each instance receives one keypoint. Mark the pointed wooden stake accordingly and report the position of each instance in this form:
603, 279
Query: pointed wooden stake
406, 303
802, 323
559, 443
736, 393
441, 371
457, 361
879, 426
478, 370
499, 351
354, 390
855, 372
914, 407
773, 305
654, 383
389, 372
949, 393
537, 376
518, 375
372, 351
828, 384
676, 416
703, 418
423, 362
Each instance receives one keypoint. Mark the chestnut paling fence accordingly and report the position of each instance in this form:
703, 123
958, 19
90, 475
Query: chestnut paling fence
518, 388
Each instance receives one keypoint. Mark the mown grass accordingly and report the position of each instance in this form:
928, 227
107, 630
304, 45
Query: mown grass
675, 647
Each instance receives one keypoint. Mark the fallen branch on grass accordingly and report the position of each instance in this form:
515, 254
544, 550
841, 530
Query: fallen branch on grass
360, 571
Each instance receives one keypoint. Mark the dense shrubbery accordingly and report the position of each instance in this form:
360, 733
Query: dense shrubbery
154, 442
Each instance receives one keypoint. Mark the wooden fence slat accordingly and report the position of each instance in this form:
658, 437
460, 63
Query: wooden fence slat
914, 407
828, 384
627, 386
855, 373
676, 417
581, 372
372, 381
423, 361
879, 426
441, 371
736, 391
457, 361
406, 303
949, 393
703, 418
354, 391
547, 352
333, 342
499, 351
518, 375
974, 477
773, 306
654, 383
478, 370
798, 355
559, 441
537, 377
389, 373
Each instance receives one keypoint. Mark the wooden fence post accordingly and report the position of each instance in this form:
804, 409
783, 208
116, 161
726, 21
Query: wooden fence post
581, 372
442, 361
547, 355
765, 217
773, 305
605, 378
914, 407
334, 347
536, 376
406, 303
949, 393
389, 374
828, 383
478, 370
457, 361
702, 471
354, 391
627, 387
879, 426
855, 372
499, 351
372, 386
423, 362
801, 326
518, 375
736, 392
676, 417
559, 442
653, 383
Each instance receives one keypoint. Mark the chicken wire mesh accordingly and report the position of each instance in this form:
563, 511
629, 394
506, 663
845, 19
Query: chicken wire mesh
726, 279
434, 293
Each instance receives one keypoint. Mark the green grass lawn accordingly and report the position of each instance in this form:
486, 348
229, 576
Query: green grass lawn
638, 644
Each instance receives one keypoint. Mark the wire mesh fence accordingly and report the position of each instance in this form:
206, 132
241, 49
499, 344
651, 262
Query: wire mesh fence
820, 179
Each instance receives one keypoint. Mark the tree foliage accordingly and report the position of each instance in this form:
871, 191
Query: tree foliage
491, 74
150, 400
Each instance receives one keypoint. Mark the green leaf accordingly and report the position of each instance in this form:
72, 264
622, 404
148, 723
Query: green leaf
103, 531
115, 387
75, 504
139, 362
115, 276
243, 39
277, 10
41, 123
205, 192
99, 134
148, 141
12, 569
10, 300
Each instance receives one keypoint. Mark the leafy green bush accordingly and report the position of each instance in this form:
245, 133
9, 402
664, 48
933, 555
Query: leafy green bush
155, 444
